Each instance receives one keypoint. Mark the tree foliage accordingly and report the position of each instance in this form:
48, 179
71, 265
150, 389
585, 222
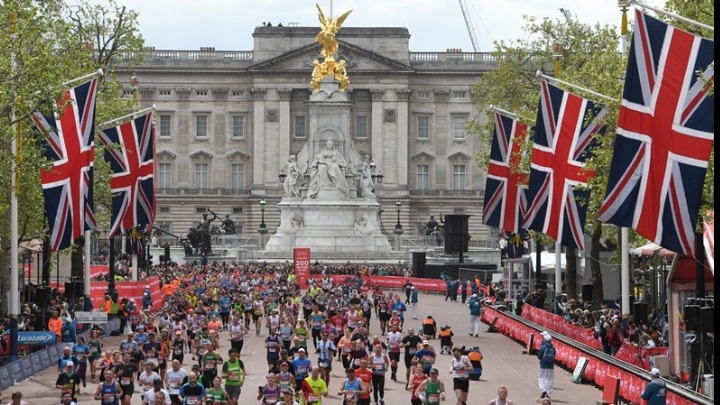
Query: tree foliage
49, 43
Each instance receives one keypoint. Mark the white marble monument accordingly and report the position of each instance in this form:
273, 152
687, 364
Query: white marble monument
329, 203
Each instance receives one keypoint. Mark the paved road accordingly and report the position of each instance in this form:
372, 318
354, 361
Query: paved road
504, 365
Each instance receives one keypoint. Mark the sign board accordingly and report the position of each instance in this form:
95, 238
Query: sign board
43, 338
301, 262
579, 370
91, 317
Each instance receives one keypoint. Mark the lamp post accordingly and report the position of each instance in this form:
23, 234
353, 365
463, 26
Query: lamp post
377, 177
398, 227
262, 229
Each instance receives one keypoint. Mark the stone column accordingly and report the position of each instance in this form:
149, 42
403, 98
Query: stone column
284, 134
440, 138
258, 137
377, 129
219, 147
186, 132
402, 138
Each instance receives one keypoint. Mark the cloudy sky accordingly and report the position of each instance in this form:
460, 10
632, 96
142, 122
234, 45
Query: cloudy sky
434, 25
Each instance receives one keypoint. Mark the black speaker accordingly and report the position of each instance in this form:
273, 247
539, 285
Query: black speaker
456, 233
587, 292
79, 288
69, 289
418, 264
692, 317
640, 313
707, 319
42, 296
166, 248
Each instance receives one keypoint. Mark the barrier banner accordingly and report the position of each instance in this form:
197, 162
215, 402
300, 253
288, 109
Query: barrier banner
301, 263
125, 289
40, 338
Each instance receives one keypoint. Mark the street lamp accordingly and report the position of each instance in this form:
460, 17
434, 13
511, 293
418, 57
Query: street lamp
262, 229
398, 226
376, 177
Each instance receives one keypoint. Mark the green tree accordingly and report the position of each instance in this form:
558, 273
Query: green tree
52, 43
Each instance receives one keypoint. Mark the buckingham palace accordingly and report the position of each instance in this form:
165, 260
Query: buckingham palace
226, 122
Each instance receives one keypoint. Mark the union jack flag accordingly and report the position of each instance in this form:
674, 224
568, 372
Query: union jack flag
665, 135
564, 136
68, 184
130, 150
504, 198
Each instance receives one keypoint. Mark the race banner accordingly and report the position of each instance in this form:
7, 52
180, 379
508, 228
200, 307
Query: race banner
301, 263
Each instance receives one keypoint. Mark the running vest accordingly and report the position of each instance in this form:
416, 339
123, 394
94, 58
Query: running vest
378, 365
458, 367
270, 396
235, 373
432, 392
352, 389
108, 394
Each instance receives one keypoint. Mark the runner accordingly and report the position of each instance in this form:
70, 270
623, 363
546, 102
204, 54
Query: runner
410, 343
432, 390
380, 364
325, 351
233, 371
460, 369
108, 392
314, 388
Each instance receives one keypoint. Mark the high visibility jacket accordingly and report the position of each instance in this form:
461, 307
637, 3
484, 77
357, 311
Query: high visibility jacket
474, 356
55, 325
446, 333
429, 322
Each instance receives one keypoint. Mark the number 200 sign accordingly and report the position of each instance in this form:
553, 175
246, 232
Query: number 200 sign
301, 260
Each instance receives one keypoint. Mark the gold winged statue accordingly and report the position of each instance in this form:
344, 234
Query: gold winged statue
329, 66
326, 36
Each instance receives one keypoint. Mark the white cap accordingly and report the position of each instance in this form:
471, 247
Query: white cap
473, 296
425, 342
301, 350
546, 335
655, 371
71, 364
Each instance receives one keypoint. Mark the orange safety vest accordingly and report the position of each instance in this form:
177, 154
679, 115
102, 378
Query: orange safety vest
446, 333
475, 356
55, 325
429, 322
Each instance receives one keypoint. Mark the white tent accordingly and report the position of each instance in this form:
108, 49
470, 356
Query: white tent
547, 260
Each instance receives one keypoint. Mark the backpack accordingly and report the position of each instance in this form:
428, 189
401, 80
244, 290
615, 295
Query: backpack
549, 356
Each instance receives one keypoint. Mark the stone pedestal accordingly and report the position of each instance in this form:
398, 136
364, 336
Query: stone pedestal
329, 226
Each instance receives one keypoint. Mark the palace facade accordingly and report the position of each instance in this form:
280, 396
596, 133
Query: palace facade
228, 120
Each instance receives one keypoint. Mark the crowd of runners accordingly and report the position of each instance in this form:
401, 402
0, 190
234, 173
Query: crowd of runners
171, 355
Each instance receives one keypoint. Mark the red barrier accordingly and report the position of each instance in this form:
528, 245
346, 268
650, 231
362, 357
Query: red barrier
425, 284
125, 289
598, 370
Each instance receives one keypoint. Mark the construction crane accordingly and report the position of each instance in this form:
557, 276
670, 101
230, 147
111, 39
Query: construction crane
470, 28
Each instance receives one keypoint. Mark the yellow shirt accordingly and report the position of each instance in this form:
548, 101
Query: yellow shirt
318, 386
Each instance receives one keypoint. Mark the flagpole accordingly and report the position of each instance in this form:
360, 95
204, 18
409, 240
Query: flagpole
153, 108
88, 76
574, 86
673, 15
501, 111
558, 269
86, 283
624, 233
13, 305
